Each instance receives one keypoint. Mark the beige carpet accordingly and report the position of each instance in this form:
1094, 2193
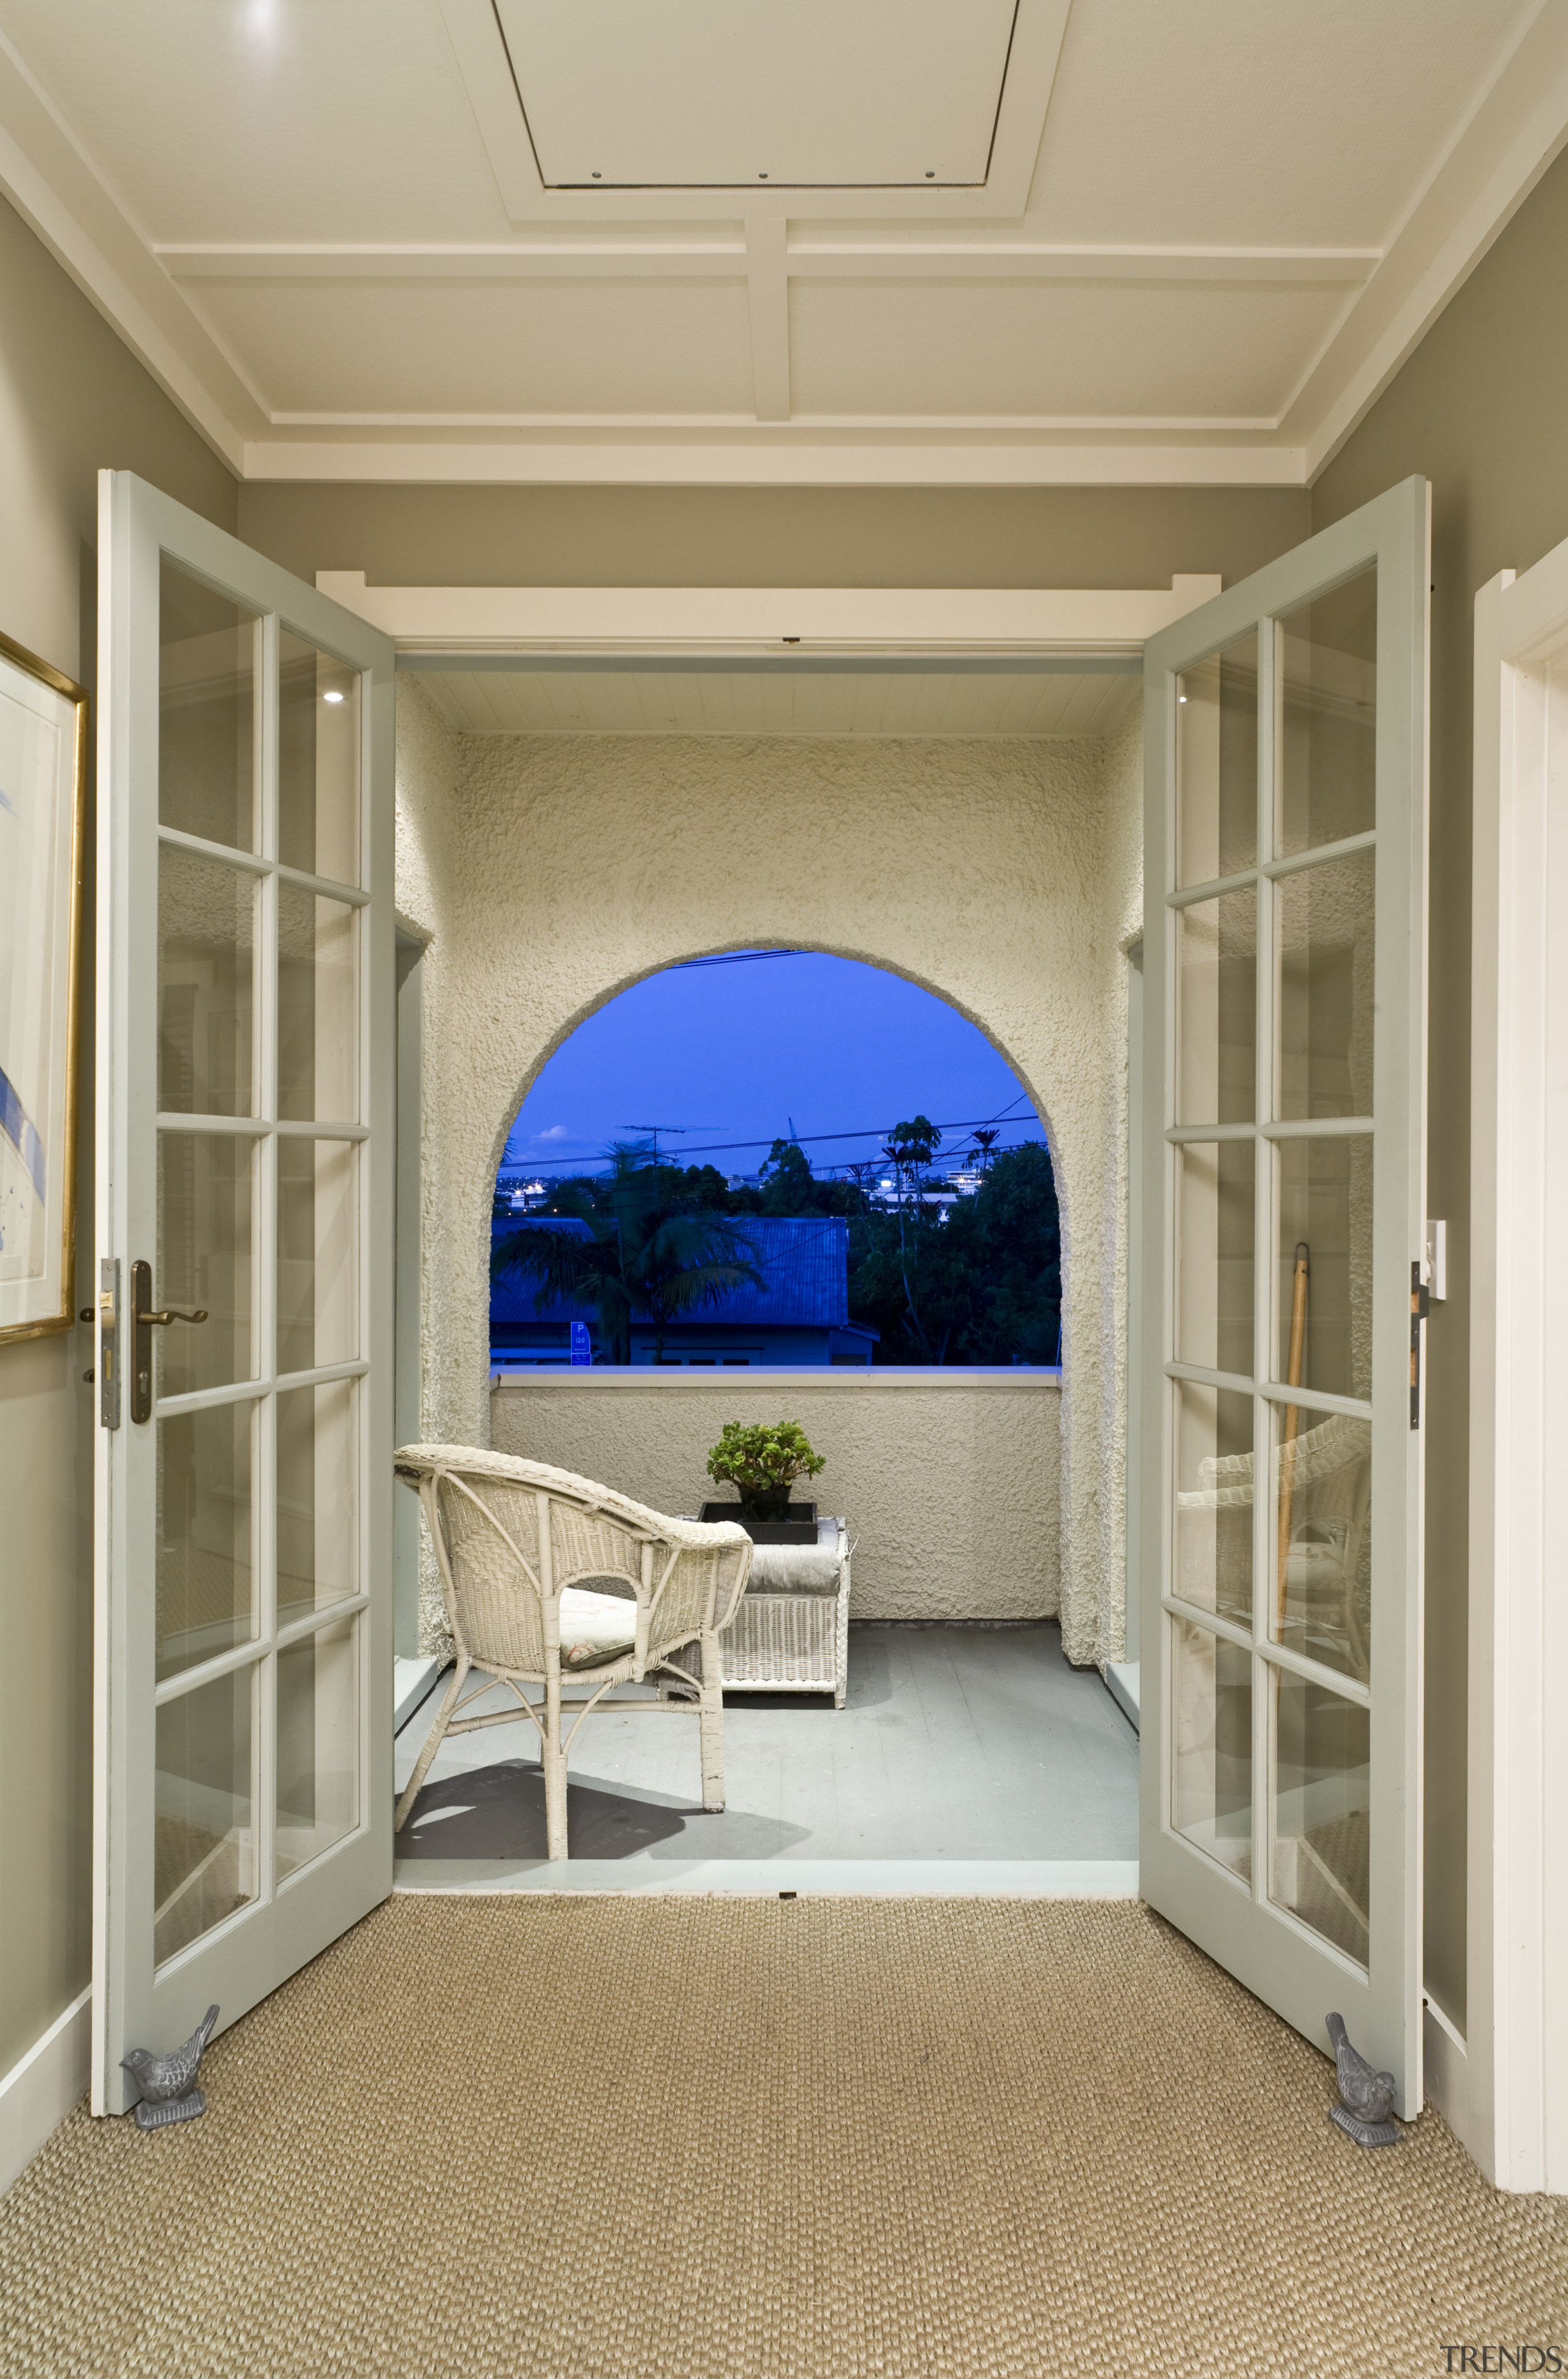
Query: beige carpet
727, 2137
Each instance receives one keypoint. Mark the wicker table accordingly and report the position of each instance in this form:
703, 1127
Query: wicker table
791, 1632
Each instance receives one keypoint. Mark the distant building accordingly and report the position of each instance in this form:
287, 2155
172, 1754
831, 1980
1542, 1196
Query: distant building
799, 1317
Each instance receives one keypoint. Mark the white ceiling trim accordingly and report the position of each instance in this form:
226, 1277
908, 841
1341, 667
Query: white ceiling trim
62, 197
767, 620
774, 462
1517, 127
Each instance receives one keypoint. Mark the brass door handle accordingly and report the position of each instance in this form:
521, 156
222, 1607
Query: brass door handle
146, 1317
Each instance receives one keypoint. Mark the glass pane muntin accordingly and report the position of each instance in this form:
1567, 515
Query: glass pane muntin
1213, 1605
252, 850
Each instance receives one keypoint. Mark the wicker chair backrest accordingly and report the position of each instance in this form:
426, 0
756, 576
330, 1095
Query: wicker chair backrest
502, 1585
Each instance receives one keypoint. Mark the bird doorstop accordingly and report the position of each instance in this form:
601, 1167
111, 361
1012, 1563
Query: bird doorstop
1366, 2097
169, 2094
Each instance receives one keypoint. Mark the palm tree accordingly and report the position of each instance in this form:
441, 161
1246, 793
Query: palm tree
645, 1257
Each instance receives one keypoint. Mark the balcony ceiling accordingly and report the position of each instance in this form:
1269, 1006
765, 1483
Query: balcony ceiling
982, 241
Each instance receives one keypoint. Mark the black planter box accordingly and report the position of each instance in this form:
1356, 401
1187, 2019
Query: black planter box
799, 1528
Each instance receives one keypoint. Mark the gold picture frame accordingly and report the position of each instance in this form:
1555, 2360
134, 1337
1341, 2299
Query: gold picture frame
44, 727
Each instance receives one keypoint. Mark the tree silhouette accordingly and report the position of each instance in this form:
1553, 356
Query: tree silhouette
648, 1256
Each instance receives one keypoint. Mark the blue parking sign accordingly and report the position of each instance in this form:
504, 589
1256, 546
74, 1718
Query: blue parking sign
581, 1350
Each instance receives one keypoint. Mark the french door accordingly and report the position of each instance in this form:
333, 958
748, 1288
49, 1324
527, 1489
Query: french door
243, 1774
1283, 1200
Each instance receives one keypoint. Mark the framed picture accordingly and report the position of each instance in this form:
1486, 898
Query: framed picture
42, 817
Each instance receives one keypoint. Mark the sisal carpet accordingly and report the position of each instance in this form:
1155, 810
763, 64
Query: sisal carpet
746, 2139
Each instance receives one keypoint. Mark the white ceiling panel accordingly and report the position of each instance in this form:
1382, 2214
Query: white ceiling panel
481, 348
268, 119
1010, 349
746, 702
308, 213
1258, 122
703, 93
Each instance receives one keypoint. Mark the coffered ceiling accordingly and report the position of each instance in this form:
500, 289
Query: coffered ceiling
982, 241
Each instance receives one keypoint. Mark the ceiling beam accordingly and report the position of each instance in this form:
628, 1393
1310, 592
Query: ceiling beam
763, 250
782, 458
768, 299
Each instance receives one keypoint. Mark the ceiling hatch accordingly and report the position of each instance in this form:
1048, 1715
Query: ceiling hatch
734, 94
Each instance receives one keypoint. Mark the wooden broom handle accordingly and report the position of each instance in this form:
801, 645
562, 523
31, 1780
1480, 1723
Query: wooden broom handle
1287, 1448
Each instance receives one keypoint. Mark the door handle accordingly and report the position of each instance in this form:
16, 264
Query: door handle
145, 1319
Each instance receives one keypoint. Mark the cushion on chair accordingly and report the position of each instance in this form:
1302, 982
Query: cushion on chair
594, 1629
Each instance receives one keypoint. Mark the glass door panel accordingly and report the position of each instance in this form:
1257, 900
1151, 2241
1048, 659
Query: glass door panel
206, 986
317, 1253
206, 1564
204, 1855
317, 1008
245, 1121
317, 1794
1212, 1746
1214, 1530
1324, 1268
1217, 765
1328, 756
1216, 1004
209, 660
206, 1258
1283, 932
317, 761
1216, 1230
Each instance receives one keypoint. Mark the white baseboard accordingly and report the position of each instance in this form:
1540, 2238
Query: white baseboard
412, 1681
1446, 2066
40, 2090
1122, 1678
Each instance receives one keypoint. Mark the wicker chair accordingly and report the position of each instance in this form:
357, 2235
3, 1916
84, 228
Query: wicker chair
549, 1576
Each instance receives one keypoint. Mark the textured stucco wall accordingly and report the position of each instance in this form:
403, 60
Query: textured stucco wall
952, 1494
552, 872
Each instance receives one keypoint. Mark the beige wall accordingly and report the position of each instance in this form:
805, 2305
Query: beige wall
71, 398
1480, 411
952, 1491
772, 536
552, 872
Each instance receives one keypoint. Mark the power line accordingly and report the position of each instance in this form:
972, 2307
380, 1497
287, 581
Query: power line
815, 1138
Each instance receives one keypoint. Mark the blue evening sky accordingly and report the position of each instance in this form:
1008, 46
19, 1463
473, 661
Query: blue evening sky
740, 1051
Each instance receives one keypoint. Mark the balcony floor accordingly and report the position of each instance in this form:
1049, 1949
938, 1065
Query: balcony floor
963, 1752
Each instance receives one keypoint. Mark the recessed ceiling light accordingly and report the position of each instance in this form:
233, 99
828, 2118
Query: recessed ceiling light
337, 698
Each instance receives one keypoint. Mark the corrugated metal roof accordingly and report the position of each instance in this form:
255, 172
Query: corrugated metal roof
804, 1261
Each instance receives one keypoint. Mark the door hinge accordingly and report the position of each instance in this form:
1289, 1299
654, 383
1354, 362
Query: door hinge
1421, 1303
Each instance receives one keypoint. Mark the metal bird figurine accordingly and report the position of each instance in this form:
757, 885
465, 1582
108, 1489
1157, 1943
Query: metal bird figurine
1366, 2097
169, 2094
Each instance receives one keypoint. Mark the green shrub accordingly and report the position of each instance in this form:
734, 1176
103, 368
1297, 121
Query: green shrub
764, 1463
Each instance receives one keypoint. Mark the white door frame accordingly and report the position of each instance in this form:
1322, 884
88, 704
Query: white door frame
1506, 2089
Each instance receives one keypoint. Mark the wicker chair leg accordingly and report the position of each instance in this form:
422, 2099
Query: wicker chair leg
432, 1742
710, 1704
553, 1759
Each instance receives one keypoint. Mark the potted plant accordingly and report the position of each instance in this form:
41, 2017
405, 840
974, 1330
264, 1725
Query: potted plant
762, 1464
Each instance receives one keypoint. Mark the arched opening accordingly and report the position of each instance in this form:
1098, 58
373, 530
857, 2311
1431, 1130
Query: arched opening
770, 1189
775, 1159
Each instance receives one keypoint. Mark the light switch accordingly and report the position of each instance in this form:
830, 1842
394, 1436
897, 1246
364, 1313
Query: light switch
1436, 1260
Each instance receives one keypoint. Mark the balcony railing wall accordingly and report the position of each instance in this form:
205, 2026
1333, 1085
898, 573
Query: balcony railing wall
950, 1480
